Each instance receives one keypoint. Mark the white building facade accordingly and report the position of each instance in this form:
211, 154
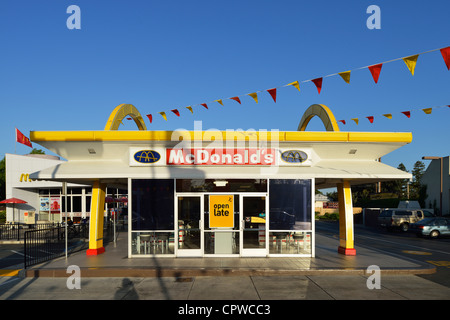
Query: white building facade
432, 178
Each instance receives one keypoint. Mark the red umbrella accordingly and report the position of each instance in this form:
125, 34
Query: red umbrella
13, 201
111, 199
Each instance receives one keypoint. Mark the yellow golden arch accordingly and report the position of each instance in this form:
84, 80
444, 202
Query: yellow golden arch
324, 113
122, 111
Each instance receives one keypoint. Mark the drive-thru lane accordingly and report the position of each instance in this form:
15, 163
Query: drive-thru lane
406, 245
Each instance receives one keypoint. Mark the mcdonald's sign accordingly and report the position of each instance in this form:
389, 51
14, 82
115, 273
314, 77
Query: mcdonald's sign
24, 177
294, 156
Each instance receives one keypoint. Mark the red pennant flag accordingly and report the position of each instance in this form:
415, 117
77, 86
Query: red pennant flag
343, 121
204, 104
375, 71
370, 119
273, 93
446, 55
176, 112
236, 99
149, 117
20, 137
407, 113
128, 118
318, 83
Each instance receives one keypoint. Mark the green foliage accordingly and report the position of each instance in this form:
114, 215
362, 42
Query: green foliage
362, 194
328, 216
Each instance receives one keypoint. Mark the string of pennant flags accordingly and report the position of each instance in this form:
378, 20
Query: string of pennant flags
374, 69
390, 115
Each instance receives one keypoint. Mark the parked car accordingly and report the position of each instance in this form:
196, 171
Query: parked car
431, 227
401, 218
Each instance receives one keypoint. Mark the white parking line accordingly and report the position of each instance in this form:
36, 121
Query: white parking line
20, 253
396, 243
9, 280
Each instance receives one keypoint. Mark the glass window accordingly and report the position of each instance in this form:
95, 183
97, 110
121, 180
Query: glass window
298, 242
143, 243
69, 204
290, 204
153, 204
88, 203
76, 201
428, 214
221, 185
75, 191
55, 191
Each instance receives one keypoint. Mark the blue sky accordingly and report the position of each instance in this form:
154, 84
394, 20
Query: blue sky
162, 55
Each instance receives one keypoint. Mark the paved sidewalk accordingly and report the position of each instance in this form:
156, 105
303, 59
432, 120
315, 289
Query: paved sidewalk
115, 263
328, 276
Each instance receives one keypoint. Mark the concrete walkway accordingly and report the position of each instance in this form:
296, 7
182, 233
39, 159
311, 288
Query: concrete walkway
328, 276
115, 263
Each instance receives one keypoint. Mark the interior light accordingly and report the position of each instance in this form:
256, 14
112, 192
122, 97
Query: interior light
220, 183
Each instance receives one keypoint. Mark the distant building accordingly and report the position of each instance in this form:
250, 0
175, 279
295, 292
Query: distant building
321, 199
44, 197
432, 179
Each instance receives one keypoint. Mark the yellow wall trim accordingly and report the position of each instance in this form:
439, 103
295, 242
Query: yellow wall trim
288, 136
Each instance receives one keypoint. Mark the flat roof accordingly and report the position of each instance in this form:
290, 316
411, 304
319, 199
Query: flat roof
282, 136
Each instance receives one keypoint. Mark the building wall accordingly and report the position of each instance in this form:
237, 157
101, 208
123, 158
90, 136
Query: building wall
18, 184
431, 179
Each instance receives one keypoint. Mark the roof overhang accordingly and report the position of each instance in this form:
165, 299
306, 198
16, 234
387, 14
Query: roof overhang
104, 155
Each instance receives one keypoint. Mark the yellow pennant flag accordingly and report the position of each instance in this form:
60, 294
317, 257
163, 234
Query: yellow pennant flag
295, 84
427, 110
254, 95
219, 101
356, 120
388, 115
345, 75
411, 62
190, 109
163, 115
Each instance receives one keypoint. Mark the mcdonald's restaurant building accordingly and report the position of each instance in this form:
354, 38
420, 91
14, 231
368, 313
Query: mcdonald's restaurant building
220, 193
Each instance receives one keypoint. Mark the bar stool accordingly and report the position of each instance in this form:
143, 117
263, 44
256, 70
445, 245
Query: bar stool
298, 239
164, 238
145, 239
280, 236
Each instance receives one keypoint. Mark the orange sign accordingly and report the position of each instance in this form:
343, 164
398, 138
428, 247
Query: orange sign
221, 211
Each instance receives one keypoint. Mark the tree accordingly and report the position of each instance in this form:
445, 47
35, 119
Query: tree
400, 187
418, 191
417, 172
37, 151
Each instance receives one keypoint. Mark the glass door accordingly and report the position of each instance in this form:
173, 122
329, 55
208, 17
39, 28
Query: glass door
221, 225
190, 225
254, 226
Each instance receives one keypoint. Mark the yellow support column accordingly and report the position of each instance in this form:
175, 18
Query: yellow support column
346, 245
96, 219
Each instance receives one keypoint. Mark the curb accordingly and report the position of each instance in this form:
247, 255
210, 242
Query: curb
215, 272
